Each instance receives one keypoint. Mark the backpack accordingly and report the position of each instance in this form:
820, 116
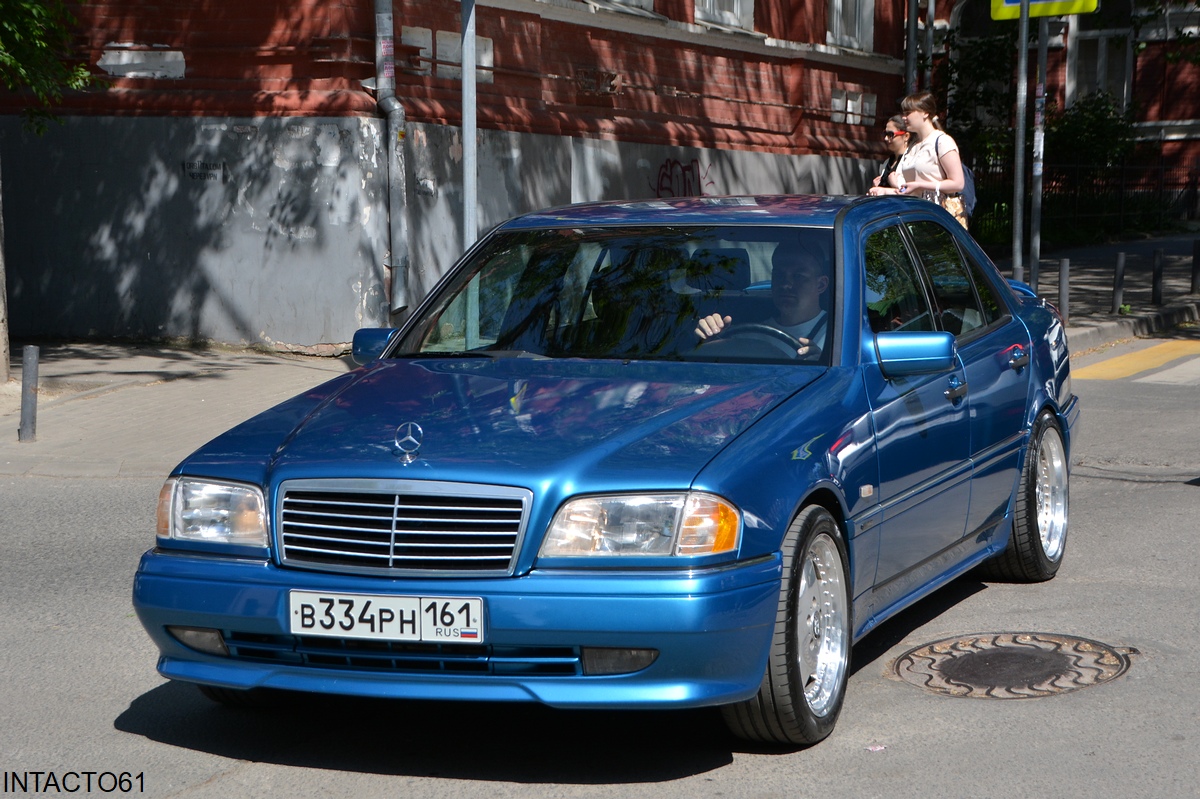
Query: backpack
968, 189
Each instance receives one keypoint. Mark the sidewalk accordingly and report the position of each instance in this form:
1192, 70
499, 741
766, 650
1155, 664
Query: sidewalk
1090, 320
109, 410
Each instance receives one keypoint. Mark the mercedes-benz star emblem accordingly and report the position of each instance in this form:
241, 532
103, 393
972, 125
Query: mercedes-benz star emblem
408, 441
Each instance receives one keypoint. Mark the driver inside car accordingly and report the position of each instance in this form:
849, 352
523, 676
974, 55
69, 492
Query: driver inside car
798, 279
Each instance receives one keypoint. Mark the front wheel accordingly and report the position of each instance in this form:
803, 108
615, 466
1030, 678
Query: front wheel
1039, 535
801, 693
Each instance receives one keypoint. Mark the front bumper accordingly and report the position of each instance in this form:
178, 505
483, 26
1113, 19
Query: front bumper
711, 629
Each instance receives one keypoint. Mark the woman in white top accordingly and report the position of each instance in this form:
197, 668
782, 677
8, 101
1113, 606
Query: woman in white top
932, 165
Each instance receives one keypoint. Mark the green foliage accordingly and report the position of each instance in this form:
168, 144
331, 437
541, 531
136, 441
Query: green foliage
1094, 131
35, 55
977, 90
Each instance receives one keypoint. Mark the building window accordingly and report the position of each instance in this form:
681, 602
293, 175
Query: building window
852, 24
852, 107
730, 13
639, 8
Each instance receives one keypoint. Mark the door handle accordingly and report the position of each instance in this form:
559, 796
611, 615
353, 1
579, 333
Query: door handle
1019, 359
957, 390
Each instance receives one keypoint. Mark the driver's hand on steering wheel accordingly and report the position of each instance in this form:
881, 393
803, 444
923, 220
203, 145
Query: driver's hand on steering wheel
808, 348
712, 325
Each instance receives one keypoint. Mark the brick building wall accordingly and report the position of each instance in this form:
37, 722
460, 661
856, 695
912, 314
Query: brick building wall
234, 158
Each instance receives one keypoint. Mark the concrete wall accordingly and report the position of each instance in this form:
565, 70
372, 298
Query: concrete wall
273, 231
247, 231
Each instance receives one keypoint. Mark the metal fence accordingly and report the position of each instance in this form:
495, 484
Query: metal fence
1085, 204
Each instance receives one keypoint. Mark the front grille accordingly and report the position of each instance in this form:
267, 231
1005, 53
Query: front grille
400, 527
404, 658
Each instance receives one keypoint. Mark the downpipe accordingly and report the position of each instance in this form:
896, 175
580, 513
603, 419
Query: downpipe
393, 111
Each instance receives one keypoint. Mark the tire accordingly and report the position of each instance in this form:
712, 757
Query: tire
802, 691
1039, 534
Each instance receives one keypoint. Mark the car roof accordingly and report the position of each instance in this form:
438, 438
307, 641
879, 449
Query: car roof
792, 209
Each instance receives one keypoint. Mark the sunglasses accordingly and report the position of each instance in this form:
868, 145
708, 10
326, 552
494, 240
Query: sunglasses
891, 134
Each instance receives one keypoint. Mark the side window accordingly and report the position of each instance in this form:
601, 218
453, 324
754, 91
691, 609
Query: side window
895, 300
957, 304
992, 309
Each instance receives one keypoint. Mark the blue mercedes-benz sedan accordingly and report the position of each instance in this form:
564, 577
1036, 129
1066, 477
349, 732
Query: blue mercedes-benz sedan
661, 454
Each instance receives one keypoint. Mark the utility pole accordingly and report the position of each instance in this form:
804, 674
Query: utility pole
910, 49
1039, 145
1018, 246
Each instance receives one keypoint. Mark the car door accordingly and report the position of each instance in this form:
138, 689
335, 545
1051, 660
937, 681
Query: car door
994, 348
921, 427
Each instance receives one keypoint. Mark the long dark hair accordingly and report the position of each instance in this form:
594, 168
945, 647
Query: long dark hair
925, 103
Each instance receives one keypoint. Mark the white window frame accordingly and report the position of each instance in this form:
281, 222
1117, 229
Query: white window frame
862, 37
730, 13
852, 107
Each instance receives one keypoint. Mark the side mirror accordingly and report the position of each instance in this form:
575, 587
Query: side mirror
370, 343
915, 353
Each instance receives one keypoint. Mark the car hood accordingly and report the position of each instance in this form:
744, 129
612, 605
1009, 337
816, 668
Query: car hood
511, 420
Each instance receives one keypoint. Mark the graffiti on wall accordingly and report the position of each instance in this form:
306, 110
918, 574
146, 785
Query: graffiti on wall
677, 179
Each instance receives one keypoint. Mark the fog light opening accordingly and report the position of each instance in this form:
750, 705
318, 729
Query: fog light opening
202, 639
597, 661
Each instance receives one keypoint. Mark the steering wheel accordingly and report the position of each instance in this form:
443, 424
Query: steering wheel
771, 336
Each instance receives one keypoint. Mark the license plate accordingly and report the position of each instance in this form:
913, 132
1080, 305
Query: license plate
433, 619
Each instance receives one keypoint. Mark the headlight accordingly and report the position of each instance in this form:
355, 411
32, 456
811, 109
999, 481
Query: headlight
219, 513
644, 524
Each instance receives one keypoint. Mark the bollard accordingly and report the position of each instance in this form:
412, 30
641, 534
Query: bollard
29, 380
1196, 266
1064, 289
1119, 283
1156, 287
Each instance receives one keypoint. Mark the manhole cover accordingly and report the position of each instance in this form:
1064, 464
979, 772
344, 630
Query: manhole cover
1011, 665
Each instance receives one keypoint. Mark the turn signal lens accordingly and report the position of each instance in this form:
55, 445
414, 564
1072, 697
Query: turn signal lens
710, 526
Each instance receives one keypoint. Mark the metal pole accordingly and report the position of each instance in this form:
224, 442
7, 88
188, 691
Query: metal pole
910, 49
1019, 146
1064, 289
470, 169
29, 381
1196, 266
1039, 139
930, 18
1156, 287
1119, 283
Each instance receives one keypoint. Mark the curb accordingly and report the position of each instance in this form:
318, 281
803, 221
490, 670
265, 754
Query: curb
1085, 337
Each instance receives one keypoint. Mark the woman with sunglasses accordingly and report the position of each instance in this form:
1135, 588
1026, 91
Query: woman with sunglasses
895, 134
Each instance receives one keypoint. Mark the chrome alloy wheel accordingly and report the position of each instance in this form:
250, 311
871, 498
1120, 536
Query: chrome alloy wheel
823, 628
1050, 490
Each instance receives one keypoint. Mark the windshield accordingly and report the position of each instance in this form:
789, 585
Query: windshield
637, 293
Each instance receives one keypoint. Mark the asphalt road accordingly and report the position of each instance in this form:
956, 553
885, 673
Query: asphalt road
79, 692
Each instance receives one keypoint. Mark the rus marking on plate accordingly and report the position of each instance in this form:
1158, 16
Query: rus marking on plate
1011, 665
